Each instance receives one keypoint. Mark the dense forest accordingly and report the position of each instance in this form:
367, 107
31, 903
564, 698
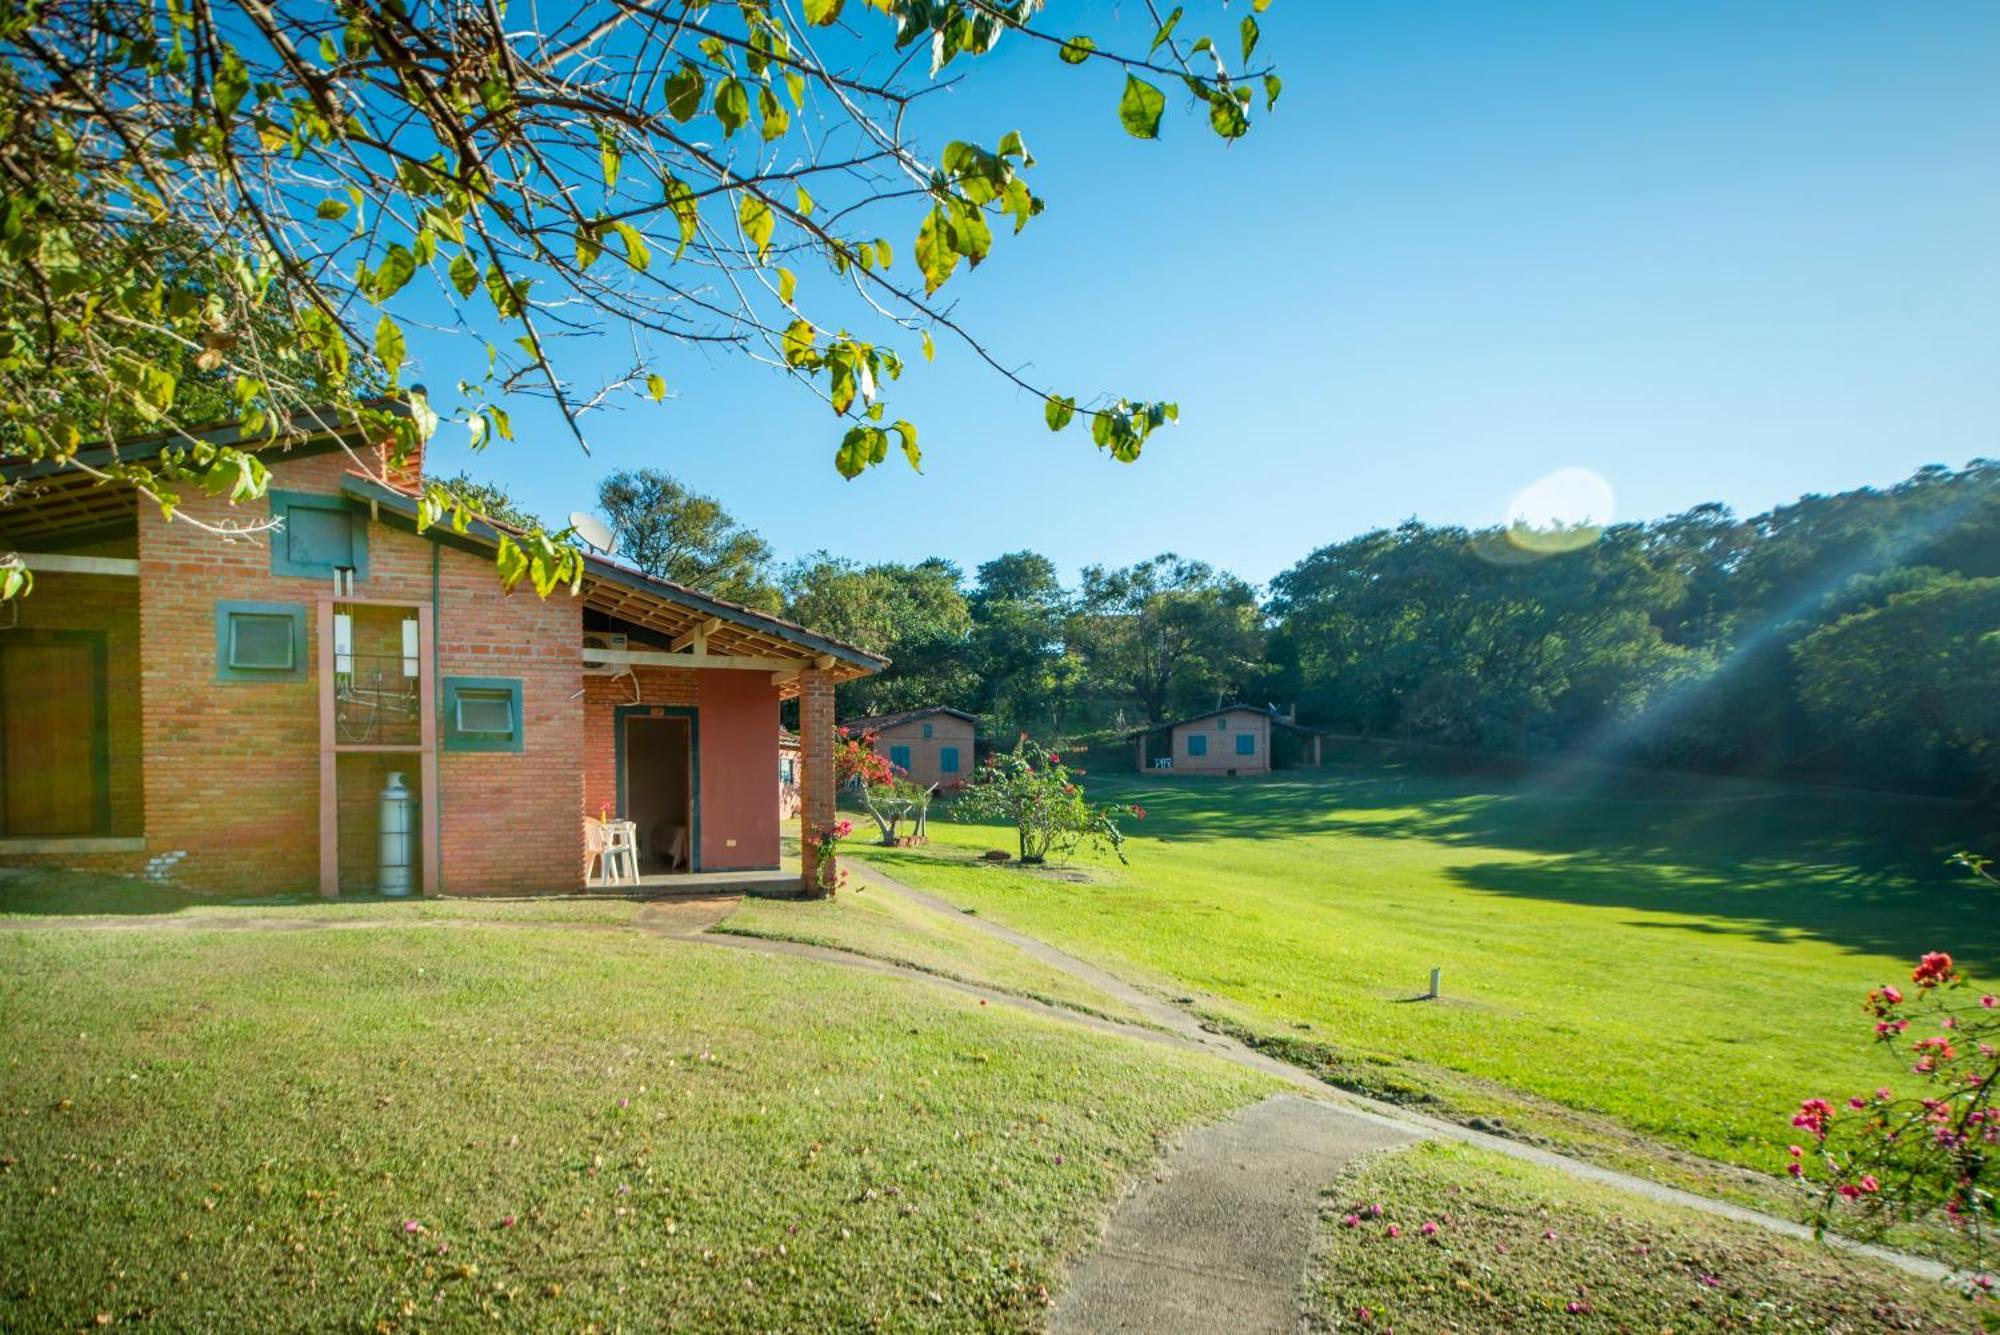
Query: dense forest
1852, 637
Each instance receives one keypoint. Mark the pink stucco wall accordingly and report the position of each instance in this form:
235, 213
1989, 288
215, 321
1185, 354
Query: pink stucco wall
739, 770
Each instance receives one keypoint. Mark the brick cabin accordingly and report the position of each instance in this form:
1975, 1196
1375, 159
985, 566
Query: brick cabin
1231, 741
932, 745
212, 712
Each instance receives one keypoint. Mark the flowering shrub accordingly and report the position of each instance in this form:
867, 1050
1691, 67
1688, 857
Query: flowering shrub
888, 797
828, 875
1032, 790
1881, 1157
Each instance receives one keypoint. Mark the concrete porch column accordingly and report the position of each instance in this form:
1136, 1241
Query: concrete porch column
816, 778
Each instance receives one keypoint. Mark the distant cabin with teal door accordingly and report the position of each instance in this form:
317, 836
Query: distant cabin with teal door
932, 745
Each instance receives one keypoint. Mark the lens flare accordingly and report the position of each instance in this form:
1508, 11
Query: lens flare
1562, 512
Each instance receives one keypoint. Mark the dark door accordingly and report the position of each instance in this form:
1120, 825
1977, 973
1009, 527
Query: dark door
51, 743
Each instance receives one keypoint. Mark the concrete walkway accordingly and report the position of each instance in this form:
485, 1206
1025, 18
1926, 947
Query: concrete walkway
1218, 1239
1370, 1117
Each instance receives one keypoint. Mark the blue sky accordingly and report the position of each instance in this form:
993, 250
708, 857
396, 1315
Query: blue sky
1708, 250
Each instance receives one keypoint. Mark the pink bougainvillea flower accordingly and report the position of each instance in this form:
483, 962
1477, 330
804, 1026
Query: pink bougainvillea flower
1813, 1115
1796, 1169
1351, 1220
1869, 1184
1892, 996
1989, 1001
1933, 969
1708, 1281
1576, 1307
1429, 1229
1395, 1231
1796, 1151
1849, 1190
1375, 1210
412, 1226
1548, 1235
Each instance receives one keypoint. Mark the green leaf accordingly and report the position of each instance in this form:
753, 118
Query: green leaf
798, 343
775, 119
1250, 32
910, 450
230, 85
389, 347
637, 253
788, 285
842, 387
684, 90
464, 274
588, 247
936, 257
1058, 411
1273, 85
806, 203
656, 385
686, 212
1077, 50
758, 222
152, 390
1141, 107
398, 267
333, 210
609, 158
1225, 115
732, 106
1166, 29
930, 348
819, 13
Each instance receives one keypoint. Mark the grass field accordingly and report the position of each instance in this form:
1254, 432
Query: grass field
890, 927
473, 1119
1628, 960
1513, 1246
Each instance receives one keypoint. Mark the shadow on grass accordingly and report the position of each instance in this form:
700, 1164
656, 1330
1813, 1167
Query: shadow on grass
51, 892
1757, 859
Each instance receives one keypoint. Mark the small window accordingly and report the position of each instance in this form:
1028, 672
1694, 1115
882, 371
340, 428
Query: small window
1246, 743
947, 760
788, 771
899, 756
927, 732
1197, 744
318, 535
1222, 722
482, 714
260, 641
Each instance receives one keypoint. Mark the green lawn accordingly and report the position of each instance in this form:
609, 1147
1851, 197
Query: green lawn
1516, 1246
887, 926
475, 1118
1627, 959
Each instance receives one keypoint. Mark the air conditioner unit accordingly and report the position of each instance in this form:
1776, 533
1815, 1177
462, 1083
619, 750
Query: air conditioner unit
601, 639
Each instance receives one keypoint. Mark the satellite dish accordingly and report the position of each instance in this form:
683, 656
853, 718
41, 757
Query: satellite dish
593, 532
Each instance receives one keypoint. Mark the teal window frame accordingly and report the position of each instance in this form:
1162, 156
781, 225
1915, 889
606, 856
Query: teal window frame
227, 610
1246, 743
899, 756
1197, 744
1222, 722
927, 732
456, 740
282, 561
947, 760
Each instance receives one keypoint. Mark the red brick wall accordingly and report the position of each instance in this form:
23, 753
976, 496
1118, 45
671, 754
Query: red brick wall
816, 777
232, 769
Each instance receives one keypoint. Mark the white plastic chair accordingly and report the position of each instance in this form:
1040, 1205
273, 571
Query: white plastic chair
611, 851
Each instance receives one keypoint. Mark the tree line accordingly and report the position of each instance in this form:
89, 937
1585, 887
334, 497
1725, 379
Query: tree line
1852, 637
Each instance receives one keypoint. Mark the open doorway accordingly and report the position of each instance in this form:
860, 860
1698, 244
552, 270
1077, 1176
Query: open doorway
659, 791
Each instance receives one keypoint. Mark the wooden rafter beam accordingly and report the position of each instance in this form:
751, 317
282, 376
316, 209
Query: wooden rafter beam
660, 658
